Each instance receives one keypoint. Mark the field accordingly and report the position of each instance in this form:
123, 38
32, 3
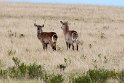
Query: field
100, 29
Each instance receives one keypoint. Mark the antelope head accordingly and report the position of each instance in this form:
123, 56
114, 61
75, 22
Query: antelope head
39, 27
64, 26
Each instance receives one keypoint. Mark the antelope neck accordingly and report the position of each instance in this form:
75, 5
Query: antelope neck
39, 33
66, 30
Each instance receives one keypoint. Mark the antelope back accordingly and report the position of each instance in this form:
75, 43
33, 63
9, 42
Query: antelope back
46, 37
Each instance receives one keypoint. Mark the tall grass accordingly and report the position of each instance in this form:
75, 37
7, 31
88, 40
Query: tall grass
31, 71
34, 71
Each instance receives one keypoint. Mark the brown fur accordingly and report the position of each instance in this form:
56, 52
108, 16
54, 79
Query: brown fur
71, 36
46, 37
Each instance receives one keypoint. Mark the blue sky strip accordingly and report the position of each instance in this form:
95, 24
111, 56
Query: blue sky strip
98, 2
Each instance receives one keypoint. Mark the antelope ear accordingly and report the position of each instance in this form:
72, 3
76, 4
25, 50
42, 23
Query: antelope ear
43, 25
35, 24
61, 22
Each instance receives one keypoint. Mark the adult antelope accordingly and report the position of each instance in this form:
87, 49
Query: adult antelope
46, 37
71, 36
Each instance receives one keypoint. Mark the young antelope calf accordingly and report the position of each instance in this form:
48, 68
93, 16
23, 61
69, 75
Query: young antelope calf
71, 36
46, 37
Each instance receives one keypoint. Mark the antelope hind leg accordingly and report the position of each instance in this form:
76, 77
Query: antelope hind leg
77, 47
53, 45
44, 46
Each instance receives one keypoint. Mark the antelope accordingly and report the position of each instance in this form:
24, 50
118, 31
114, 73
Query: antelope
71, 36
46, 37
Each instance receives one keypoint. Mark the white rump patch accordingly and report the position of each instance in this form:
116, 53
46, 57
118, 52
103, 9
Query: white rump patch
53, 39
74, 39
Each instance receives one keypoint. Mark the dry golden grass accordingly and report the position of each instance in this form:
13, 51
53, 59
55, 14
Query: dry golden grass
100, 30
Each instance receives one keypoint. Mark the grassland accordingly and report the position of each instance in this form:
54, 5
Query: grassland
100, 31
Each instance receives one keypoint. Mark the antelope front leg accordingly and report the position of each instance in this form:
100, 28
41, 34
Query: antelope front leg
67, 44
44, 46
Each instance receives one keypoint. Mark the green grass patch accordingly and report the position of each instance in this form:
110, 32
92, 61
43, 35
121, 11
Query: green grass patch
96, 76
34, 71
